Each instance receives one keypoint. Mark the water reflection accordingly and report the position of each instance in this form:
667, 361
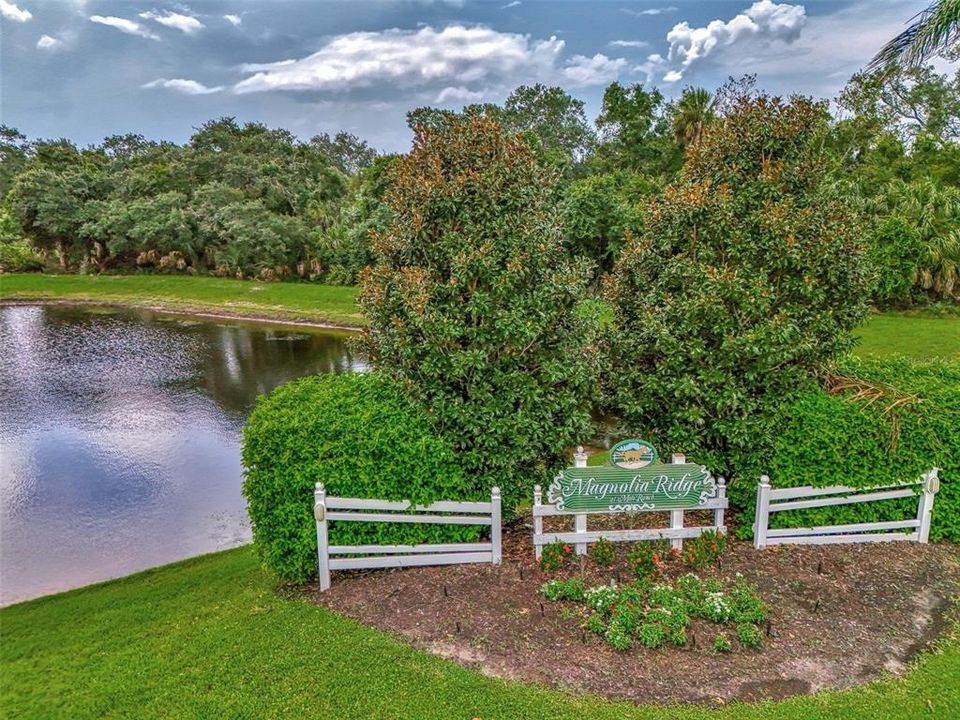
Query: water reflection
119, 436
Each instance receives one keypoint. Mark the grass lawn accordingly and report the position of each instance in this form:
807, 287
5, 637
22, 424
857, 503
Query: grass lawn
911, 334
282, 301
211, 637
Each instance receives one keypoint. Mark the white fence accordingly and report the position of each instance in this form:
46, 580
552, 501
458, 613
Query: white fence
581, 536
354, 557
770, 500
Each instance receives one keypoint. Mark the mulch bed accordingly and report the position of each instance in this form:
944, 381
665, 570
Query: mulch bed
840, 615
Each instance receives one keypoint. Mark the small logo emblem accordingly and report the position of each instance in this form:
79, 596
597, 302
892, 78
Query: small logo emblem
632, 454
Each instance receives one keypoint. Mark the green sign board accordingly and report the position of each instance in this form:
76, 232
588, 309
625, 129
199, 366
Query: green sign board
633, 481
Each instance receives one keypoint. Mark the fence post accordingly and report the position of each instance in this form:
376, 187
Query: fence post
676, 516
537, 520
931, 484
580, 520
496, 550
323, 555
762, 513
718, 512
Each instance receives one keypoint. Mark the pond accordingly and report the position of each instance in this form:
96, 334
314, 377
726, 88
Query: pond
120, 436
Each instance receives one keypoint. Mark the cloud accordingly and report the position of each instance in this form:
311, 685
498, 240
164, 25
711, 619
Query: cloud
180, 85
184, 23
48, 42
123, 25
764, 21
596, 70
511, 5
234, 20
12, 12
649, 11
457, 94
473, 58
630, 43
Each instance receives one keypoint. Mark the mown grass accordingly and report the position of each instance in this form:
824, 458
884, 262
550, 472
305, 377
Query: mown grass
212, 637
917, 334
276, 300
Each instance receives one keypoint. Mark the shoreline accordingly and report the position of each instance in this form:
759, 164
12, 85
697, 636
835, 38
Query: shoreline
261, 317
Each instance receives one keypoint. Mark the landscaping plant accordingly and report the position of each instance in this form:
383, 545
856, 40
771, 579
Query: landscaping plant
555, 556
747, 278
602, 552
473, 303
360, 436
653, 615
705, 549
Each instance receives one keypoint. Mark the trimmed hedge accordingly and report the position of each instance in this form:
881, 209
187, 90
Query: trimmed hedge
833, 438
361, 437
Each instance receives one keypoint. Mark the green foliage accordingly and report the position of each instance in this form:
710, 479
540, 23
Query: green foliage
361, 437
16, 254
882, 422
472, 304
602, 552
555, 556
721, 644
655, 615
705, 549
748, 277
647, 560
571, 589
749, 636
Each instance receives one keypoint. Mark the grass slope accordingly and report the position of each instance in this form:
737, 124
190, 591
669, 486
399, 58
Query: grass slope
282, 301
210, 637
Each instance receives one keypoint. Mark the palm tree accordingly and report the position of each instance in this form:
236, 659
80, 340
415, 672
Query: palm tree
933, 31
694, 111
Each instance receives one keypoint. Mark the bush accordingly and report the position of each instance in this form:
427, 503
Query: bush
704, 549
472, 303
906, 420
361, 437
603, 552
747, 278
555, 556
19, 256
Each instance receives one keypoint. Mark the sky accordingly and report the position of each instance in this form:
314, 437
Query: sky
86, 69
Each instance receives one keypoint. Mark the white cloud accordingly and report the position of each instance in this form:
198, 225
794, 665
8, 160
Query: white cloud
48, 42
123, 25
457, 94
650, 11
184, 23
630, 43
511, 5
234, 20
455, 56
180, 85
596, 70
764, 21
12, 12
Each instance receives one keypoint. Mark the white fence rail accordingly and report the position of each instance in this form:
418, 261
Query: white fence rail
770, 500
355, 557
581, 536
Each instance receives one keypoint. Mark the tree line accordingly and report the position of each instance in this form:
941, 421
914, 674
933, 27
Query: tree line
248, 201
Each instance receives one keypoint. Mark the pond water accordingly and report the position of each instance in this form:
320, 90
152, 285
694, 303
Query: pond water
120, 436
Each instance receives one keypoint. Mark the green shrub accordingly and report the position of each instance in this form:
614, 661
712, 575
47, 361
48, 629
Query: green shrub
19, 256
747, 277
472, 302
602, 552
704, 549
360, 436
911, 424
555, 556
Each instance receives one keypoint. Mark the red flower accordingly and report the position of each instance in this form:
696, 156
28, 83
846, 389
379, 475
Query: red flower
566, 548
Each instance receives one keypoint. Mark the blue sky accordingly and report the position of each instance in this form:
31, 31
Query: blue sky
84, 69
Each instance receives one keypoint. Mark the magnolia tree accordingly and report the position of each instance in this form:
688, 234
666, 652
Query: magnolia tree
474, 306
748, 276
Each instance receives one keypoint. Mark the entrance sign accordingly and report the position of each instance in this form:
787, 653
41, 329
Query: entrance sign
614, 489
633, 481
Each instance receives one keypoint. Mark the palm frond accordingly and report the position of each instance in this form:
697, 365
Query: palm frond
932, 31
